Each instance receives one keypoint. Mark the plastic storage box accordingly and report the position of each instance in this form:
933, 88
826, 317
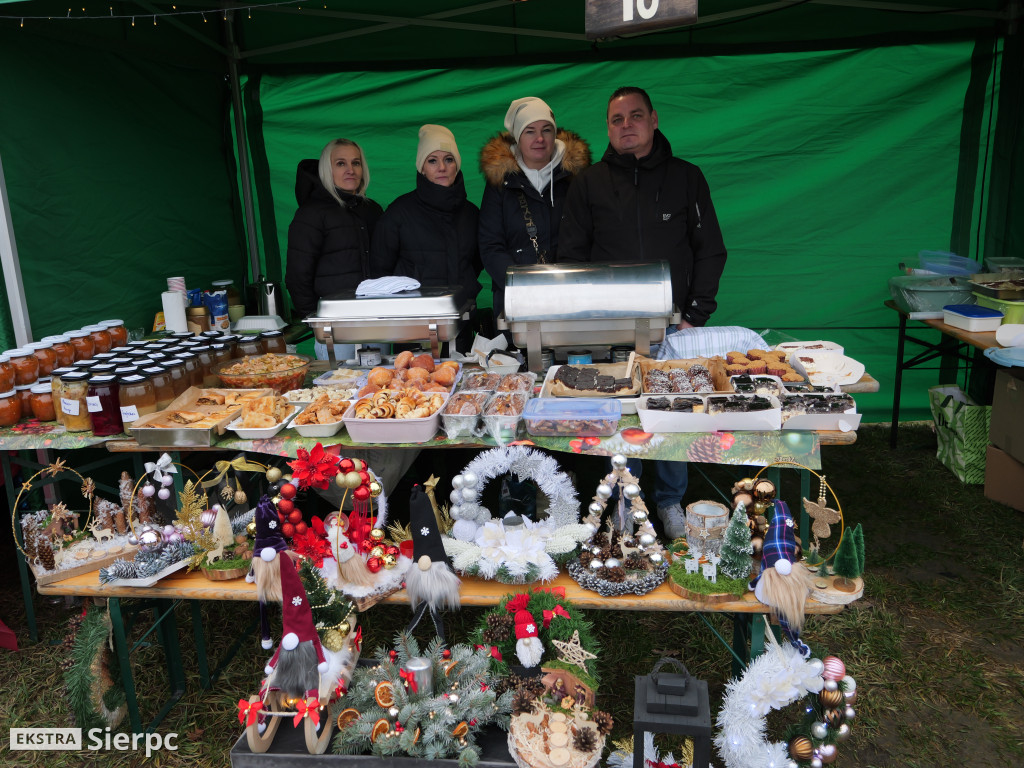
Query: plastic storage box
971, 317
1013, 311
928, 293
572, 416
945, 263
1003, 264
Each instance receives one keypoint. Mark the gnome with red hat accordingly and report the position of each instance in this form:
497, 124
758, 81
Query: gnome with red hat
529, 648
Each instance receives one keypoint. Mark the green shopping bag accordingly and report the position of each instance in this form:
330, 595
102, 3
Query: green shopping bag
961, 426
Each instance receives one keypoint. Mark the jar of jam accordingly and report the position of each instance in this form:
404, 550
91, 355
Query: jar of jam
137, 397
104, 406
84, 346
6, 373
74, 388
85, 365
180, 380
221, 354
136, 354
102, 368
41, 402
118, 333
212, 335
160, 377
138, 344
121, 360
10, 409
100, 337
193, 373
250, 345
125, 370
182, 335
43, 350
206, 359
24, 395
190, 344
26, 366
231, 340
273, 342
57, 390
62, 348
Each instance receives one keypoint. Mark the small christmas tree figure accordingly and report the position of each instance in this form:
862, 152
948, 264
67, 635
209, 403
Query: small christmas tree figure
736, 547
858, 539
847, 565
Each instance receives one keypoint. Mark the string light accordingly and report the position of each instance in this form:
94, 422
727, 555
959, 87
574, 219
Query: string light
69, 15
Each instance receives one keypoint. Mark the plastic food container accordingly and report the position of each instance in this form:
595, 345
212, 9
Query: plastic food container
260, 434
946, 263
503, 413
927, 293
390, 430
575, 416
461, 415
971, 317
1013, 311
280, 381
318, 430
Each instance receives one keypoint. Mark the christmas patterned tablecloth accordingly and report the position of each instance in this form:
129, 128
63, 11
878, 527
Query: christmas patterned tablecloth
49, 435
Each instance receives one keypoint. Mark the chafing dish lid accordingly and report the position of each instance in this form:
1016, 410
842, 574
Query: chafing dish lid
427, 302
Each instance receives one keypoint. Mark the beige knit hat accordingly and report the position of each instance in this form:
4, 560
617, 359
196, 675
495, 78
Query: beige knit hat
434, 138
524, 111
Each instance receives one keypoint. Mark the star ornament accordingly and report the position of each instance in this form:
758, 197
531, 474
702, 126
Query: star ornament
822, 516
571, 652
55, 468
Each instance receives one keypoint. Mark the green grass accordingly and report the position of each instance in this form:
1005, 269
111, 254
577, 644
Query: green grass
935, 644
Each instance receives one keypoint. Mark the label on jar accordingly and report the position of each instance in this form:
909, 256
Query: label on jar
93, 404
129, 413
70, 407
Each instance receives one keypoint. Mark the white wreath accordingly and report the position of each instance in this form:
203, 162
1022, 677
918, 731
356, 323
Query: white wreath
775, 679
482, 545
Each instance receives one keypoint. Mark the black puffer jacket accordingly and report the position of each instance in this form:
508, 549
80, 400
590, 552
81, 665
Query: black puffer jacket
655, 208
503, 237
430, 234
328, 246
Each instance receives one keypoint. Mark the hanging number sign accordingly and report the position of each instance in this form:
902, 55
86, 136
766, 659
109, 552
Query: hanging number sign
608, 18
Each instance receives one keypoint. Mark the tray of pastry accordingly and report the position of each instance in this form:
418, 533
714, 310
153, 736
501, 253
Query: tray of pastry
618, 381
195, 418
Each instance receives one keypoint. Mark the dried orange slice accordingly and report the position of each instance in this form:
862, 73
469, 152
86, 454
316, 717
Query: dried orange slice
416, 736
460, 730
381, 727
384, 694
450, 667
346, 717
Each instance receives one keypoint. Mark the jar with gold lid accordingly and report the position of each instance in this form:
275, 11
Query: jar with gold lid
116, 329
10, 409
41, 401
101, 338
72, 401
26, 366
84, 346
62, 348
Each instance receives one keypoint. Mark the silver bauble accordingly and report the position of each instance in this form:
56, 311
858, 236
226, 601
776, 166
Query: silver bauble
831, 685
618, 461
612, 562
470, 479
595, 551
469, 494
455, 496
850, 683
631, 491
453, 698
604, 491
842, 732
792, 764
817, 666
647, 539
639, 516
656, 558
455, 510
849, 714
595, 565
819, 730
458, 481
595, 508
393, 711
816, 762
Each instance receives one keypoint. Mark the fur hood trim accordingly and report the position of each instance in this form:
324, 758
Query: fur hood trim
497, 162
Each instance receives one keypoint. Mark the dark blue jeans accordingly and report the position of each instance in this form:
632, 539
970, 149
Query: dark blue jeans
670, 480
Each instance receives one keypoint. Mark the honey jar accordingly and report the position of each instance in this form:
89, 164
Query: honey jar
137, 398
74, 389
273, 343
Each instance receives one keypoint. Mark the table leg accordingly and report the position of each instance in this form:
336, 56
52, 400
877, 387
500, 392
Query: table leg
898, 382
740, 643
121, 649
805, 522
200, 639
26, 583
757, 636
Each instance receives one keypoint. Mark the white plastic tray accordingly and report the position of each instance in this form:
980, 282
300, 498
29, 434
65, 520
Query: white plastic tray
392, 430
318, 430
261, 434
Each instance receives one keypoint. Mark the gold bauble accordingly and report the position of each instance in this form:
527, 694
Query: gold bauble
377, 551
250, 529
276, 500
376, 489
339, 480
334, 641
800, 749
358, 464
353, 480
377, 534
390, 561
344, 628
273, 475
759, 508
240, 497
831, 699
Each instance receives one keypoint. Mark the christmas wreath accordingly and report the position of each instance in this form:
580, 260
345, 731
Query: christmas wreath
482, 545
91, 677
428, 704
776, 679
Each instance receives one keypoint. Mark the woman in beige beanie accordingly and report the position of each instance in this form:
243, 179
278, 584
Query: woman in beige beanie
430, 234
528, 168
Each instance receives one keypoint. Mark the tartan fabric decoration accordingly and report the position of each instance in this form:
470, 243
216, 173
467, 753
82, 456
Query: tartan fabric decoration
780, 541
961, 427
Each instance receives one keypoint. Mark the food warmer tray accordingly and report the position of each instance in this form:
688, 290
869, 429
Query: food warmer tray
587, 305
433, 314
1005, 286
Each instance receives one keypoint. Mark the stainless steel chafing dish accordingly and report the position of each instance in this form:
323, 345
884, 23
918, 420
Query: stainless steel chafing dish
574, 305
433, 314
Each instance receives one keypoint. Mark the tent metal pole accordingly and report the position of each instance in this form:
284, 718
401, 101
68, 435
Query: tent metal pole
243, 148
12, 270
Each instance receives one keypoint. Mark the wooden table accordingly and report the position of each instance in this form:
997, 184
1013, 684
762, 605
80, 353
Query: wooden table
952, 348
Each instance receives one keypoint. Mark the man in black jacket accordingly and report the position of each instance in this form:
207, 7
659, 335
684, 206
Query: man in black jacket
641, 204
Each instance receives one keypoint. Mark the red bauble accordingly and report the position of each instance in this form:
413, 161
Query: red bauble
285, 506
295, 516
301, 528
364, 476
391, 550
374, 564
288, 491
365, 545
362, 493
346, 465
446, 654
287, 530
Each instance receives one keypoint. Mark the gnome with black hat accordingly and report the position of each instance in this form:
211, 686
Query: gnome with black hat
783, 583
266, 564
431, 583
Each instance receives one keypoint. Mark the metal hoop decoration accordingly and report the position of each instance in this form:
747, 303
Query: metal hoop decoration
823, 481
131, 501
53, 470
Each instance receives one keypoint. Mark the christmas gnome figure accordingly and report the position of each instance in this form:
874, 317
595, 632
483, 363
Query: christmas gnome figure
529, 648
299, 661
351, 566
783, 584
431, 583
266, 564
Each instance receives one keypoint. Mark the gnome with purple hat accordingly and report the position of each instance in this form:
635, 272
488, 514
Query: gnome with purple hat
431, 583
782, 583
266, 563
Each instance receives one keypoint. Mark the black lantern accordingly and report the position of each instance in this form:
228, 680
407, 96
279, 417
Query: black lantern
672, 703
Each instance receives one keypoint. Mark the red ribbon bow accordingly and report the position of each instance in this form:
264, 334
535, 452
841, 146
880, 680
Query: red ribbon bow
247, 713
557, 611
493, 651
307, 708
339, 691
556, 591
410, 679
357, 641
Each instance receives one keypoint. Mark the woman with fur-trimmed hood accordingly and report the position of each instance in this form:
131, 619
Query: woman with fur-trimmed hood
528, 168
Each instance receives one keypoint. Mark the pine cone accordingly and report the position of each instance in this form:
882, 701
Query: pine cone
603, 721
615, 575
616, 551
635, 562
490, 638
534, 686
585, 558
707, 449
44, 551
500, 625
600, 539
522, 703
585, 740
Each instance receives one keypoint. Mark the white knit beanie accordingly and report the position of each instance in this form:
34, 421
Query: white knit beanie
524, 111
434, 138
